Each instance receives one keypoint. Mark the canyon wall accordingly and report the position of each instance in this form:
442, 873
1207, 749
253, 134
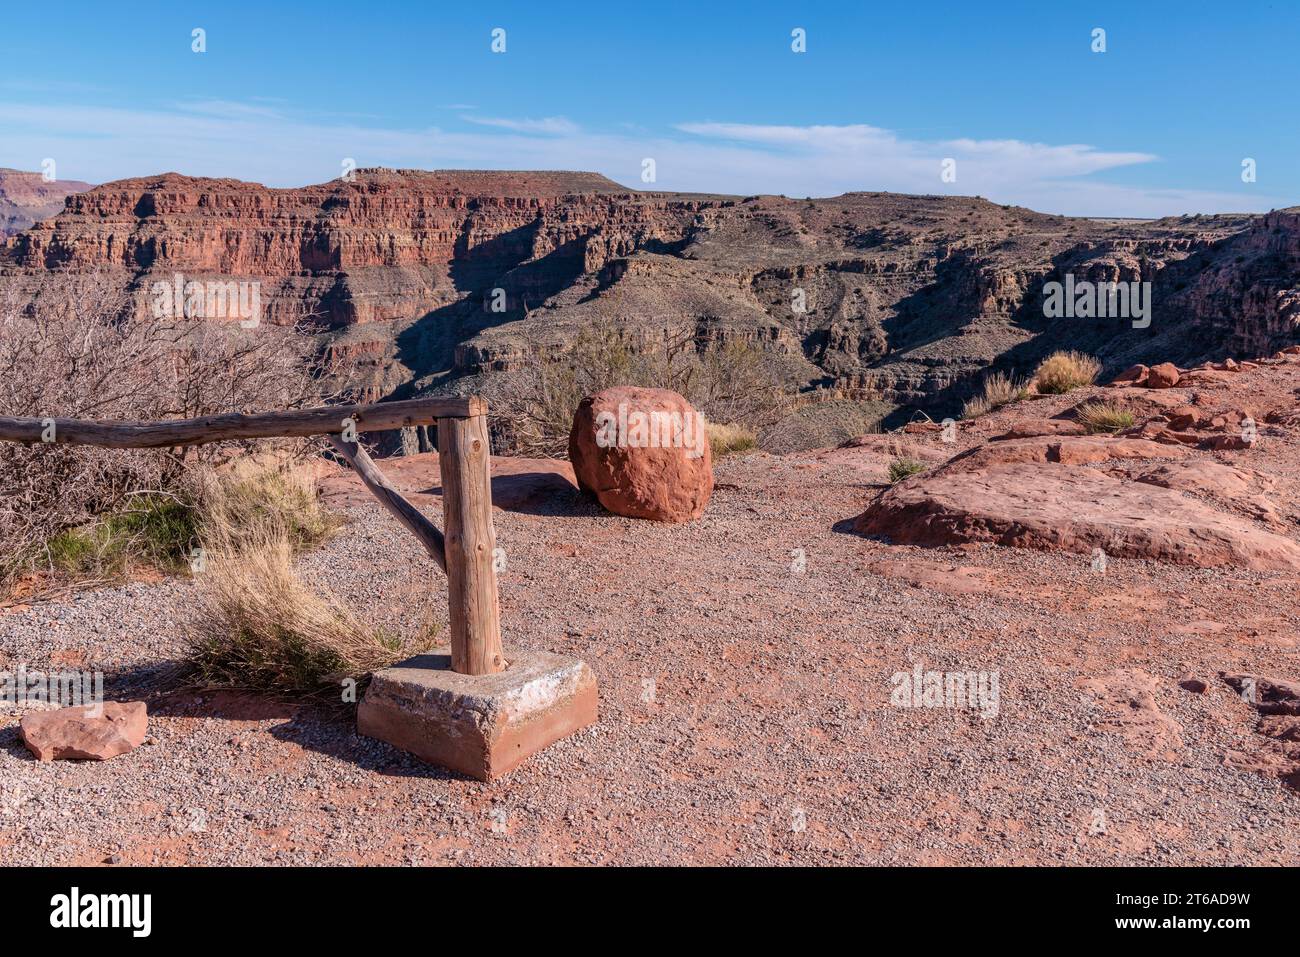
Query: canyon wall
434, 278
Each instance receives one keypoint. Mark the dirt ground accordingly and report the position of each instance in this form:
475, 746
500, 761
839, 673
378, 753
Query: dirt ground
746, 665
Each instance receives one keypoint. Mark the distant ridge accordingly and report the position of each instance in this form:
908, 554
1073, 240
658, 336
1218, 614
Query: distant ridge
26, 199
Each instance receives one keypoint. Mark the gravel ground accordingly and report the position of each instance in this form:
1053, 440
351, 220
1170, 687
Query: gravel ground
745, 703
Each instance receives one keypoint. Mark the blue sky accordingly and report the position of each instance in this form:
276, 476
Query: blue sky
286, 92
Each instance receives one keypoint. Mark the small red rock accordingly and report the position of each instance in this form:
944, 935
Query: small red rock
1227, 443
1235, 418
1163, 376
1185, 417
1194, 685
86, 732
1133, 375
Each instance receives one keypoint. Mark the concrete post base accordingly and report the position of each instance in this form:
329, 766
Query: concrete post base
479, 725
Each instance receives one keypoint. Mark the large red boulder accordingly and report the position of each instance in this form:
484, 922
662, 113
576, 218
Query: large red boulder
643, 453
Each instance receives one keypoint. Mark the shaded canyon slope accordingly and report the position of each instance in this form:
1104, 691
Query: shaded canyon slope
909, 299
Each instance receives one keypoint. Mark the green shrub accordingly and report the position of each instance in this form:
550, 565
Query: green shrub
901, 468
1104, 417
154, 530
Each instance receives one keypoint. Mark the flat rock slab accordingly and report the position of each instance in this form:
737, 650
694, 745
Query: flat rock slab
480, 725
1076, 510
1061, 450
86, 732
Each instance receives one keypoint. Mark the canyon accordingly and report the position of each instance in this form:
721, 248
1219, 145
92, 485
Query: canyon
432, 280
27, 199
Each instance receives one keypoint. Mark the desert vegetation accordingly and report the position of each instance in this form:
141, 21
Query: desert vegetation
1104, 417
1063, 371
256, 624
998, 389
77, 347
901, 467
734, 382
729, 439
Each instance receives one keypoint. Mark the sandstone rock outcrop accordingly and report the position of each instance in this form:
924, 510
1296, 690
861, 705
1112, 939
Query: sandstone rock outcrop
1067, 450
1277, 700
1129, 707
80, 733
1149, 491
643, 453
1029, 505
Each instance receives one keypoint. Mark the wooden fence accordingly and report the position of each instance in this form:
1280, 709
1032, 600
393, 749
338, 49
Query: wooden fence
464, 551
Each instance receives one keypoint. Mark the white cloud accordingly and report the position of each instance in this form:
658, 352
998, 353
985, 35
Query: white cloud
228, 109
882, 154
252, 142
555, 125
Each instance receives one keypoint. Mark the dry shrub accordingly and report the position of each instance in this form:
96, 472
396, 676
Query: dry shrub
1104, 417
246, 498
901, 468
999, 389
732, 381
257, 625
76, 346
1062, 371
729, 439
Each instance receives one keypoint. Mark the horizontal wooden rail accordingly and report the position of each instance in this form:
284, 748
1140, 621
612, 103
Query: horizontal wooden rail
259, 425
466, 553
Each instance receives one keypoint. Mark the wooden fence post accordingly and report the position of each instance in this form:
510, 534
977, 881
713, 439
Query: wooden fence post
464, 459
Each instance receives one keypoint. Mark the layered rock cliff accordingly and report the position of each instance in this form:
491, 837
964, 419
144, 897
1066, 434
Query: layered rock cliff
432, 277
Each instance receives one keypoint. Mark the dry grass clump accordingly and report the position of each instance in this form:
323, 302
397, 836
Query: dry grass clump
257, 625
999, 389
1104, 417
901, 468
1062, 371
729, 439
246, 500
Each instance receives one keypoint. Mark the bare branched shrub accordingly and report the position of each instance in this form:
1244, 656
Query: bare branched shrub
76, 346
730, 381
